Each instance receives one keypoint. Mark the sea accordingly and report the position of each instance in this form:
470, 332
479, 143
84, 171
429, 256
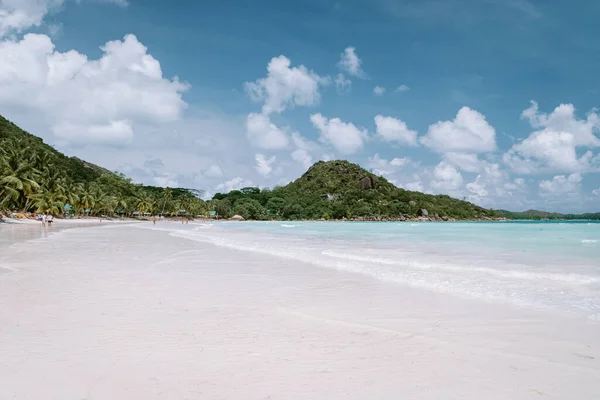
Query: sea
547, 265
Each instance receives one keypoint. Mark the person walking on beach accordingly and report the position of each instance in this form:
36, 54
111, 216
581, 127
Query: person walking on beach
44, 220
154, 220
50, 220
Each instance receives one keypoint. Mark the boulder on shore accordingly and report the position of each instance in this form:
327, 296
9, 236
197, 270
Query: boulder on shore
423, 212
236, 218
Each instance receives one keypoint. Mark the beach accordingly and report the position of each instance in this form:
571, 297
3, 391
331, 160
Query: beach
166, 311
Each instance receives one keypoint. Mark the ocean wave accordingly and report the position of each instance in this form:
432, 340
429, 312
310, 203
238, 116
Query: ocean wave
578, 279
287, 226
589, 241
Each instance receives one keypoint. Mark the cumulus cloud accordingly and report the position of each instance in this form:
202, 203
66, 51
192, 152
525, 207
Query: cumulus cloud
285, 86
468, 132
265, 134
88, 101
416, 186
350, 63
402, 88
233, 184
213, 171
553, 145
493, 185
379, 90
344, 137
302, 157
395, 130
17, 16
383, 167
446, 178
562, 186
467, 162
264, 166
342, 84
596, 192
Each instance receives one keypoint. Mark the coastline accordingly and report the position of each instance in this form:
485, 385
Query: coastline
119, 311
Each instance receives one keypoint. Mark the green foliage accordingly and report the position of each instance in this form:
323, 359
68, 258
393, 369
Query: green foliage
34, 177
338, 190
537, 215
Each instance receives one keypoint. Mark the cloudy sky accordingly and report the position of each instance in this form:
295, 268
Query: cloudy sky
489, 100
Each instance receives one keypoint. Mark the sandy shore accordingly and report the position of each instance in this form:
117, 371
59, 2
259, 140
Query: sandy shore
124, 312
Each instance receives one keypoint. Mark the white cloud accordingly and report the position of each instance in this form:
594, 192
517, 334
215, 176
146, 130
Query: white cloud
561, 186
265, 134
416, 186
285, 86
17, 16
467, 162
233, 184
302, 157
553, 146
446, 178
402, 88
264, 166
350, 63
395, 130
344, 137
342, 84
214, 171
88, 100
494, 186
113, 132
468, 132
596, 192
379, 90
166, 180
381, 166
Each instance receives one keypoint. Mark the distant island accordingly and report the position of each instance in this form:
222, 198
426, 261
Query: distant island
34, 177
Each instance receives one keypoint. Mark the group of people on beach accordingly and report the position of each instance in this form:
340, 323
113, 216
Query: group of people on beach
46, 220
184, 220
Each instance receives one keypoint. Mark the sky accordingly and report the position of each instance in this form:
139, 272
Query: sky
493, 101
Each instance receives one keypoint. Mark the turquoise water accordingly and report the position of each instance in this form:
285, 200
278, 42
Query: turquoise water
554, 266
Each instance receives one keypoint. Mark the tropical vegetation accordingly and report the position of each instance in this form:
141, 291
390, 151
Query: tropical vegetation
34, 177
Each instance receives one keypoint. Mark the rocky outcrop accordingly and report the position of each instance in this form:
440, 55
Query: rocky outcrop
368, 182
423, 212
236, 218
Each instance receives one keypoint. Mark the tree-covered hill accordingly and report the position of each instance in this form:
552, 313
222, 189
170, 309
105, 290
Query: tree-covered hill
544, 215
35, 177
340, 189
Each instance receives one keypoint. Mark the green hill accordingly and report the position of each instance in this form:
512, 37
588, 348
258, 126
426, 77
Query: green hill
544, 215
342, 190
35, 177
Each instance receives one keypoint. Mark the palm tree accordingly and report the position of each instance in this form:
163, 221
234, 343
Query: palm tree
49, 203
145, 203
86, 199
167, 195
17, 177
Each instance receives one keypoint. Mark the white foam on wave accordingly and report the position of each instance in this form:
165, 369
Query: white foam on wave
287, 226
545, 290
589, 241
518, 274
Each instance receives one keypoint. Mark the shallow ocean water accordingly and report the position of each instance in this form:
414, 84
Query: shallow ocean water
553, 266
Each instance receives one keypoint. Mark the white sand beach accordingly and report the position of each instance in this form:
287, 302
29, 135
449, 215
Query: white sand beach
126, 312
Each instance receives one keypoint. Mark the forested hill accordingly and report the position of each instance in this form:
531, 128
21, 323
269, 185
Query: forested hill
35, 177
338, 190
544, 215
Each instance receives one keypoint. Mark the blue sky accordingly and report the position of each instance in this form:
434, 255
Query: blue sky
178, 93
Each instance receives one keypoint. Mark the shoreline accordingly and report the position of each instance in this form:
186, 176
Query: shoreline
118, 311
